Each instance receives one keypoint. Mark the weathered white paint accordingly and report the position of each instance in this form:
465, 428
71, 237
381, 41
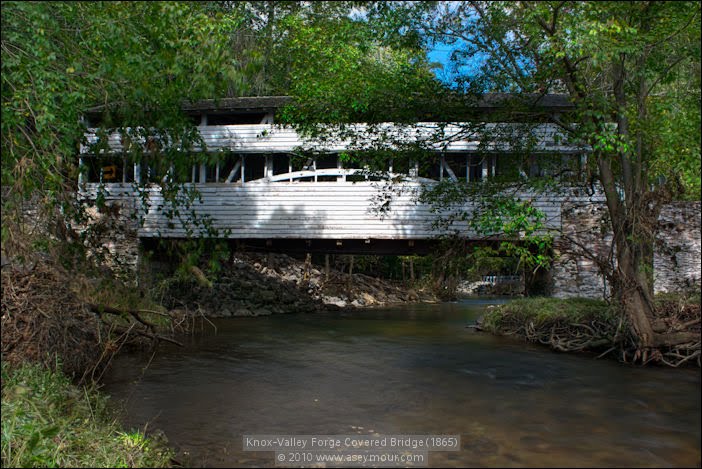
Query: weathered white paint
339, 172
268, 138
233, 172
307, 210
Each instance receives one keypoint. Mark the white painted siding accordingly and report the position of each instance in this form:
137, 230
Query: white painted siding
267, 138
304, 210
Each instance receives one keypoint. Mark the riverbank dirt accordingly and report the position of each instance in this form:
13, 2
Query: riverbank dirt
261, 284
79, 318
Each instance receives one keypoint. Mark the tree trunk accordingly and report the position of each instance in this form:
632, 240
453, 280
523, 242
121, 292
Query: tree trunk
633, 292
350, 277
628, 283
639, 312
308, 266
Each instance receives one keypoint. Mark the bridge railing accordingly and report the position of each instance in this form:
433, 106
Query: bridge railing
341, 173
256, 147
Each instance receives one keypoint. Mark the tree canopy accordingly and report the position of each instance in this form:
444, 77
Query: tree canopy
630, 70
139, 60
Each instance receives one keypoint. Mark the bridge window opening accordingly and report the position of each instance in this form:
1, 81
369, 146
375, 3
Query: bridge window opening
303, 163
327, 162
356, 177
364, 174
184, 172
108, 169
512, 167
123, 169
458, 165
401, 166
194, 173
429, 167
280, 164
128, 169
378, 174
255, 167
559, 166
508, 167
477, 164
230, 168
152, 171
208, 171
120, 168
570, 167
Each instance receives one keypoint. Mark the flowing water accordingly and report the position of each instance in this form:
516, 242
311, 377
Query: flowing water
408, 370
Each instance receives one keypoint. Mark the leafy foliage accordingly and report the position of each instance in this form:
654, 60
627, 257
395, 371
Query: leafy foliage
341, 73
614, 59
492, 213
139, 60
622, 66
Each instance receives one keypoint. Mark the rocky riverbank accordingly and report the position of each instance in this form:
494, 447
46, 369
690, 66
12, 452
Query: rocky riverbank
262, 284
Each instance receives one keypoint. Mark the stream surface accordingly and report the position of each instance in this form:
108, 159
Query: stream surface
410, 370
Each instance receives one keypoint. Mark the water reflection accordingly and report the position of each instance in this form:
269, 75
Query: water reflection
411, 370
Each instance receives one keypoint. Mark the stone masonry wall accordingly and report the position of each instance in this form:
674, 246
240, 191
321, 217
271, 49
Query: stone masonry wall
585, 244
676, 260
111, 233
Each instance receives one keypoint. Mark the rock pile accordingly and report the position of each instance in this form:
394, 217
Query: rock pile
263, 284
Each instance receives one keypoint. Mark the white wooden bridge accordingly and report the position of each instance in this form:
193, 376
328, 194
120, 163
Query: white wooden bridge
257, 189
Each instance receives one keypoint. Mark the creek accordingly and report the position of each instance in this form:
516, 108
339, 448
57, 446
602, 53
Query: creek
409, 370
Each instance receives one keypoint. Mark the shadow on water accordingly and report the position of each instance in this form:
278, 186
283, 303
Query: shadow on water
409, 370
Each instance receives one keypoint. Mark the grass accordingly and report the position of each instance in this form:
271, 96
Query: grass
49, 422
685, 298
540, 310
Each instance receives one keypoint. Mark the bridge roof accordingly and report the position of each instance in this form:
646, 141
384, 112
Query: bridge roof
487, 103
246, 103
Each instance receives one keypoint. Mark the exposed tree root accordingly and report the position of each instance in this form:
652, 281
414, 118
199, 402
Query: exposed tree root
677, 342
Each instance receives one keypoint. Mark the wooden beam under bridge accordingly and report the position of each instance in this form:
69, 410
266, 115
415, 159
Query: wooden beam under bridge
377, 247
